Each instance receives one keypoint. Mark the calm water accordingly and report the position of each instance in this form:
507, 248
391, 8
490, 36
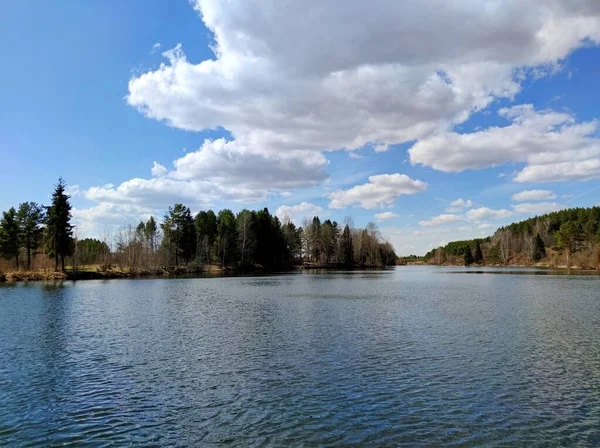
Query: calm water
414, 356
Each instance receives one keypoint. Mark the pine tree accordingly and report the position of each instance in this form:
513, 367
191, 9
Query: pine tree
59, 231
569, 238
31, 218
179, 233
9, 235
478, 256
150, 232
468, 256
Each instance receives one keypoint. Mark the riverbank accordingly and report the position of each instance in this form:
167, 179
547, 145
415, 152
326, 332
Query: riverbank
95, 273
513, 265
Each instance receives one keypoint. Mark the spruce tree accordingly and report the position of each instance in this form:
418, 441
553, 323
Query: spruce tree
31, 218
468, 256
59, 231
346, 248
478, 256
9, 235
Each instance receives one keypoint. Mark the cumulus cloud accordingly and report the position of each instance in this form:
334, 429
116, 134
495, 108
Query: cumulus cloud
382, 189
444, 218
533, 195
215, 172
296, 213
481, 213
552, 144
279, 86
459, 205
158, 170
385, 215
538, 208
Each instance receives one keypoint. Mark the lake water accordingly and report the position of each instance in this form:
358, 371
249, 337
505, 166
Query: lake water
413, 355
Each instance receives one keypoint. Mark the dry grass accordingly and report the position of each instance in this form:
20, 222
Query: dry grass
30, 276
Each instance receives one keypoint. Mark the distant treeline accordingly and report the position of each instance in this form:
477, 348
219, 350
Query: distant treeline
567, 237
246, 240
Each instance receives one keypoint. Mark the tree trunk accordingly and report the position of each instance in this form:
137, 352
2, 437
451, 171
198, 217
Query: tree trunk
62, 261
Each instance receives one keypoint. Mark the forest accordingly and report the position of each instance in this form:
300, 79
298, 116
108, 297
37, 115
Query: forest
36, 237
566, 238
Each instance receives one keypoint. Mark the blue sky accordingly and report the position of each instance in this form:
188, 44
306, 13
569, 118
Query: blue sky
342, 110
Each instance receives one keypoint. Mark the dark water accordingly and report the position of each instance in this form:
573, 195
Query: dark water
415, 356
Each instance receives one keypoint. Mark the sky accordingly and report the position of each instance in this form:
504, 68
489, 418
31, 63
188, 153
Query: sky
437, 120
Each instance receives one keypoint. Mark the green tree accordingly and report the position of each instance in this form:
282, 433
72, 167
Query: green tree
478, 256
206, 233
468, 256
179, 233
569, 239
31, 218
151, 234
346, 247
91, 251
9, 235
292, 237
226, 236
59, 231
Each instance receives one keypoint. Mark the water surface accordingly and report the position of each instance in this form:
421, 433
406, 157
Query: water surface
413, 355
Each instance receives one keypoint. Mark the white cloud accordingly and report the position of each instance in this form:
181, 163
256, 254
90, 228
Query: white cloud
158, 170
553, 145
459, 205
533, 195
381, 147
382, 189
284, 77
155, 47
538, 208
482, 213
444, 218
72, 190
296, 213
385, 215
485, 226
355, 155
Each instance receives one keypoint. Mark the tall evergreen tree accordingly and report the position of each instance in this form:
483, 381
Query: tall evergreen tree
478, 256
468, 256
346, 247
59, 231
179, 233
31, 218
9, 235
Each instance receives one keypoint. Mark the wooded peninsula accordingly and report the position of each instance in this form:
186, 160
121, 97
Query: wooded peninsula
38, 242
567, 238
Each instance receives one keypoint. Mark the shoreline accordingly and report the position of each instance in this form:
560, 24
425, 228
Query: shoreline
180, 272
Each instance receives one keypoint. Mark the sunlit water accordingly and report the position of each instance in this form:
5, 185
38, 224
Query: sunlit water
413, 356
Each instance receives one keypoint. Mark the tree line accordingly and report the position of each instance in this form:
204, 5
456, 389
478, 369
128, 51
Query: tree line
31, 227
570, 237
246, 240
